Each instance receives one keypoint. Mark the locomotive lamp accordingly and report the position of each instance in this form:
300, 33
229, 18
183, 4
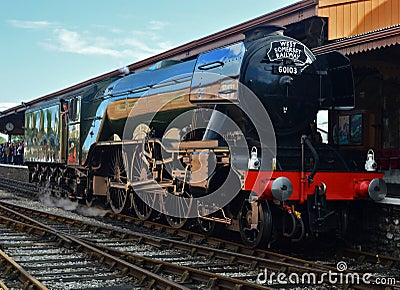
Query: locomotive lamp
254, 162
370, 164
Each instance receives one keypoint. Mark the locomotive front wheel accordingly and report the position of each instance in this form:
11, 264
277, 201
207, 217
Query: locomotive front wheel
142, 201
258, 234
117, 198
141, 208
207, 227
175, 222
117, 190
182, 205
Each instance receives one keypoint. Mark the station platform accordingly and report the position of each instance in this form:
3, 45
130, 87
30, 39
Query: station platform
390, 201
15, 172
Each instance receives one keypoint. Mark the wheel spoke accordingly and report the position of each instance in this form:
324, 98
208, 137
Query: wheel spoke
142, 210
117, 196
182, 204
141, 201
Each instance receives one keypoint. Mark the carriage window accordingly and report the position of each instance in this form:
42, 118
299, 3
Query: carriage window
74, 109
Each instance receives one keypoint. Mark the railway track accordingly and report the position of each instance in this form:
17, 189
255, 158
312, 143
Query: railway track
372, 258
378, 262
174, 264
12, 276
28, 189
210, 243
183, 256
45, 260
195, 264
228, 258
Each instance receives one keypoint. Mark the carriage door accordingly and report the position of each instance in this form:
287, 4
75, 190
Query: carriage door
74, 110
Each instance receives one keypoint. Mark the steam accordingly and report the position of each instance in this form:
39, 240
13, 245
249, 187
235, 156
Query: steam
124, 70
48, 199
91, 211
64, 203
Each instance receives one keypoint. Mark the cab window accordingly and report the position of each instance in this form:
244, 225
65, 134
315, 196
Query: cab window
74, 109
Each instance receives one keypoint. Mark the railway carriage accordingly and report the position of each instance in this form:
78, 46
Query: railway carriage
222, 139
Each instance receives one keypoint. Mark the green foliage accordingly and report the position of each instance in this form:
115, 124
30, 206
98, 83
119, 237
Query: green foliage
17, 138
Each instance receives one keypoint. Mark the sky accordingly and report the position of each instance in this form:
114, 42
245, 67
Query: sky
48, 45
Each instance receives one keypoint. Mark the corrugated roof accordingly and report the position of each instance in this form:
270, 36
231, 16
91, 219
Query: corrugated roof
364, 42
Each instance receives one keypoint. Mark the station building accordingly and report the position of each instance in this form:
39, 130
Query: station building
366, 31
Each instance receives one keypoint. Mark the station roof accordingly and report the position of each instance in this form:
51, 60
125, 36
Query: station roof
364, 42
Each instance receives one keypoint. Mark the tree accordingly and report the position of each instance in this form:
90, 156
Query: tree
17, 138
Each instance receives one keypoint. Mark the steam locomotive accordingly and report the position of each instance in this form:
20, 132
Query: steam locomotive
225, 139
